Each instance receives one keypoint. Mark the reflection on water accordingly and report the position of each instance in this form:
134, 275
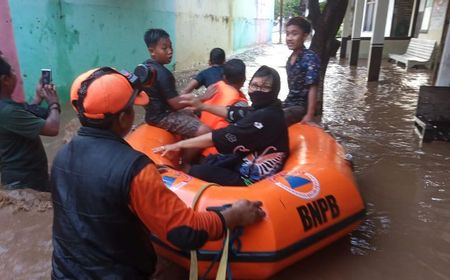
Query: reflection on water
406, 233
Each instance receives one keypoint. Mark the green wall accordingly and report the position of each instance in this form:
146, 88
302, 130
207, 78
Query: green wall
252, 23
73, 36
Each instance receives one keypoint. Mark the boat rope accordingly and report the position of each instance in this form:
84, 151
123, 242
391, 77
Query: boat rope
223, 264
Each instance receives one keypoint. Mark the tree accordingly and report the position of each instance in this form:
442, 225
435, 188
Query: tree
326, 21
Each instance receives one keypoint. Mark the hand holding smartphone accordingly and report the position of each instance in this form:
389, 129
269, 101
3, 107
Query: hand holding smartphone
46, 76
47, 90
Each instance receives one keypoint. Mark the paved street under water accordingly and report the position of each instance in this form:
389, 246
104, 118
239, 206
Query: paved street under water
406, 234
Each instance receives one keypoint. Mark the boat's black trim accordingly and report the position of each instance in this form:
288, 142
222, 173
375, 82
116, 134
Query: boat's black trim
204, 255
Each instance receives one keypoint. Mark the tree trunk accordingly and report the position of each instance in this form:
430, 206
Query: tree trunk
326, 25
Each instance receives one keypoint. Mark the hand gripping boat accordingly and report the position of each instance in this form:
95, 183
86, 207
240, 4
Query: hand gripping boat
312, 202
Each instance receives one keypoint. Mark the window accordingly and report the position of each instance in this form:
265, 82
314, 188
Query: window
368, 16
426, 16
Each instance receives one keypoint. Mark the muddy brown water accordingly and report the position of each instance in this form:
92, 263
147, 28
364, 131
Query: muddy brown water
406, 234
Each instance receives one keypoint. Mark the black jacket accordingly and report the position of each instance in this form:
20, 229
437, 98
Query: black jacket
95, 235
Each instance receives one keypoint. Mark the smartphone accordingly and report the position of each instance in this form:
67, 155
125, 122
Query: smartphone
46, 76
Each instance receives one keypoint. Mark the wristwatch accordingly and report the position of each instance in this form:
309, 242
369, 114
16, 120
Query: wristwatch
56, 106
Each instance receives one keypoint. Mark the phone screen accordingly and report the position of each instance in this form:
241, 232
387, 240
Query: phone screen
46, 76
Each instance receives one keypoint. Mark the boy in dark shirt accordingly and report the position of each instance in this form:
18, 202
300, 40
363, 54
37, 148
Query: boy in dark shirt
211, 75
164, 109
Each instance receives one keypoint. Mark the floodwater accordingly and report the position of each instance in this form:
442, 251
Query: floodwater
406, 234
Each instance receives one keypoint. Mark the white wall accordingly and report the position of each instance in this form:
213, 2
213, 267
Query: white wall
443, 78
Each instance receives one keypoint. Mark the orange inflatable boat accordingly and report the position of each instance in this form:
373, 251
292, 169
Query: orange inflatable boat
312, 202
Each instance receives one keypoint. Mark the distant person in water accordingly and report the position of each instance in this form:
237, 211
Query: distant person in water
303, 72
209, 76
23, 162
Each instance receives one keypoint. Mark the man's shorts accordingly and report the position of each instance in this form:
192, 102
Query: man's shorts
183, 123
294, 114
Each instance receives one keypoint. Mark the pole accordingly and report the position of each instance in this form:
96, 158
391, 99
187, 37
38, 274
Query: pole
281, 19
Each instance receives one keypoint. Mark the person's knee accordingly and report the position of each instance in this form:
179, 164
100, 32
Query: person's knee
293, 114
203, 129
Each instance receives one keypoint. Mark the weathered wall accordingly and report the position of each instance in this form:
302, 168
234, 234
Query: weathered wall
437, 21
201, 26
231, 25
8, 46
71, 36
252, 22
443, 78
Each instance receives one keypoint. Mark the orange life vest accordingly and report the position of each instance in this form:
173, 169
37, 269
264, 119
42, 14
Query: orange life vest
226, 96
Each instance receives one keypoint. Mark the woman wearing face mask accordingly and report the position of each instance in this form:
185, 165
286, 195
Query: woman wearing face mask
254, 146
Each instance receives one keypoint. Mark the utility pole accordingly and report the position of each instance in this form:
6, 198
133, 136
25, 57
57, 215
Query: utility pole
281, 19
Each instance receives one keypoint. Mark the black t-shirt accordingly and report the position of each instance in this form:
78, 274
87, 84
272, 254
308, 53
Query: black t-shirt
23, 162
259, 136
209, 76
162, 90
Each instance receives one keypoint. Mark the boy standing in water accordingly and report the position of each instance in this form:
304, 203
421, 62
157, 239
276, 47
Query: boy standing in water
303, 71
164, 109
211, 75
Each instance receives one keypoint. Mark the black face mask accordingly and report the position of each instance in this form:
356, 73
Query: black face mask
261, 99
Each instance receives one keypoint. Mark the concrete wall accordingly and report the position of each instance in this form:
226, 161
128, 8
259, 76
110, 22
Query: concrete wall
443, 78
437, 21
231, 25
8, 46
252, 22
201, 26
71, 36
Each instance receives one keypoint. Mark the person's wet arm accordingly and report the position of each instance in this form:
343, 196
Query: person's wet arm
312, 100
202, 141
312, 80
193, 84
168, 217
51, 127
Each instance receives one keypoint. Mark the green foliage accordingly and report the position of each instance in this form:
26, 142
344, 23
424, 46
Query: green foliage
292, 8
339, 32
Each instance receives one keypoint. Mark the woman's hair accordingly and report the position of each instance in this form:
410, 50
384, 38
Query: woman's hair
266, 71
